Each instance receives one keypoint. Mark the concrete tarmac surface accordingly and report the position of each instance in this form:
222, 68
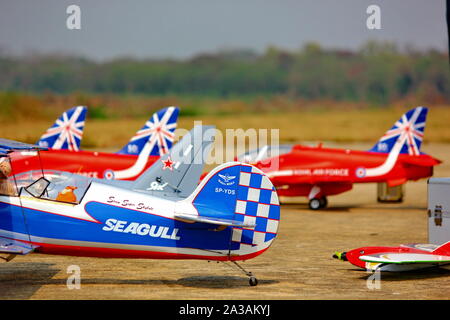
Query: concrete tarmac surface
299, 265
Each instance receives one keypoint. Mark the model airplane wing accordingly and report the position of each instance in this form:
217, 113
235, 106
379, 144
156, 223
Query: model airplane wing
11, 145
212, 220
405, 258
177, 173
14, 247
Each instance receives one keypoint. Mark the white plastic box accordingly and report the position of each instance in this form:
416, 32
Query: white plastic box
438, 210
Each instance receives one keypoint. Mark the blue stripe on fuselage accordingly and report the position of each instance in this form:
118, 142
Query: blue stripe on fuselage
12, 218
164, 230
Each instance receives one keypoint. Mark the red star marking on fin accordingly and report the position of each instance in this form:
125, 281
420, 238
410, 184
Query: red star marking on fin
167, 164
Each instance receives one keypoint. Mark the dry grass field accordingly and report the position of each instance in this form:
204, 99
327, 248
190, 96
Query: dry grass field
348, 125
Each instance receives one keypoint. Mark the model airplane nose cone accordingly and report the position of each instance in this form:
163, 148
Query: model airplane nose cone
340, 256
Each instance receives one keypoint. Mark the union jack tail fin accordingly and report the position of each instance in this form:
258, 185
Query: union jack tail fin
159, 130
67, 132
241, 197
409, 130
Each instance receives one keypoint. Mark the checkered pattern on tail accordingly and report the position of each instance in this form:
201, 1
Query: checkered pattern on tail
242, 194
257, 203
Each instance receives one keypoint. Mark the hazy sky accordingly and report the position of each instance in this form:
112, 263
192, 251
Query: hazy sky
183, 28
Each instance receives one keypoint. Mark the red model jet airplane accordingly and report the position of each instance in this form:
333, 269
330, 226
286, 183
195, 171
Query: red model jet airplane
318, 172
395, 259
64, 154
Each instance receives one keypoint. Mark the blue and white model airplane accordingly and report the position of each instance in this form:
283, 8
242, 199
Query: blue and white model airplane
163, 214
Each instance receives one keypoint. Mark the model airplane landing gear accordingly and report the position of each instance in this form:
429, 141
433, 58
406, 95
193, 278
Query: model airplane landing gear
318, 203
386, 194
7, 257
252, 279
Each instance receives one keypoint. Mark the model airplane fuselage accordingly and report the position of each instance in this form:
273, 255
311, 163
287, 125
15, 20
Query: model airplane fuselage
318, 172
110, 221
92, 164
164, 213
336, 170
396, 259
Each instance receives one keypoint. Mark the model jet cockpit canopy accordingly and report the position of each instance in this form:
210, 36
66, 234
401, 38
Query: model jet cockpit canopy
265, 152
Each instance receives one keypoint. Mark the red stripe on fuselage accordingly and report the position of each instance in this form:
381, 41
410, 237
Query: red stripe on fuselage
81, 251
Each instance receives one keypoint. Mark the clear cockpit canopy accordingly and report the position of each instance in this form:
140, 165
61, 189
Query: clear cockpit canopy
266, 157
21, 174
264, 153
52, 185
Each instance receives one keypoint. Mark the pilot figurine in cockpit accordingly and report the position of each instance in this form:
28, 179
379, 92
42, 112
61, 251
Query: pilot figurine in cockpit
6, 187
67, 195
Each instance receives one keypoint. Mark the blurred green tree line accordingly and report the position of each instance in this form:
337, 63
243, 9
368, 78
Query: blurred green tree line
378, 73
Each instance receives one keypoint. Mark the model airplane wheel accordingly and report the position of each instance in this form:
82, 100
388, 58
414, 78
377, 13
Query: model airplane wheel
315, 204
323, 202
253, 281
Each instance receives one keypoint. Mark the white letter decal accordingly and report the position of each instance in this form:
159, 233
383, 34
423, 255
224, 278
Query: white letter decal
73, 22
374, 280
374, 20
74, 280
109, 224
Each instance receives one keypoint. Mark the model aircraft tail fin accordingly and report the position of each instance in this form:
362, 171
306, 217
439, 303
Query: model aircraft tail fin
158, 130
177, 173
408, 130
443, 249
67, 132
243, 194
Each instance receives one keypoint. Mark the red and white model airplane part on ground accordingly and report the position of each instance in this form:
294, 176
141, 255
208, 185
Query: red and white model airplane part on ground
63, 139
395, 259
318, 172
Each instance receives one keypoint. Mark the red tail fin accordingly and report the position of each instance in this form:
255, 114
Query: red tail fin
443, 249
